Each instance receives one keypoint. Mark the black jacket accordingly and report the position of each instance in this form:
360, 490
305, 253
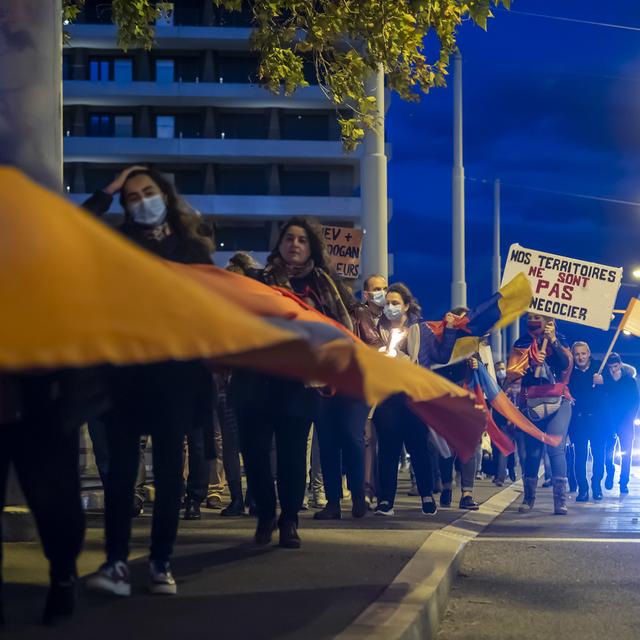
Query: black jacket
622, 400
588, 399
171, 247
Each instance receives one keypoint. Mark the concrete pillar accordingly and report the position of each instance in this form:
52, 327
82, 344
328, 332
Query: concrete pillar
209, 123
79, 121
79, 182
373, 180
209, 179
142, 66
79, 65
274, 233
208, 14
208, 67
144, 123
274, 124
274, 180
31, 89
515, 332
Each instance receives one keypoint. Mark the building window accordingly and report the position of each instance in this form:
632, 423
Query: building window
242, 180
164, 71
239, 69
122, 70
100, 125
165, 14
252, 126
165, 127
300, 126
100, 70
123, 127
304, 183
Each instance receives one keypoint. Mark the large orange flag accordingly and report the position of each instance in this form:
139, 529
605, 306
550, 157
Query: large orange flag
76, 293
349, 365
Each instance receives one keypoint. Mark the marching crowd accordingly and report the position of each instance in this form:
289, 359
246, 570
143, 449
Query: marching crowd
300, 447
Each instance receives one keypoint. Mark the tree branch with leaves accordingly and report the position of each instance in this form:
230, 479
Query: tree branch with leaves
346, 41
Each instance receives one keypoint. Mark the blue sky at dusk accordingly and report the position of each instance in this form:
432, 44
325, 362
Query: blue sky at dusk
547, 104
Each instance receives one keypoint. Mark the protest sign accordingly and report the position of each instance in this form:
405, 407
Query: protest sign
565, 288
344, 246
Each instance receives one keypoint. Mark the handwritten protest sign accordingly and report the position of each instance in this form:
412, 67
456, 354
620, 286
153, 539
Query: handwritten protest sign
344, 246
565, 288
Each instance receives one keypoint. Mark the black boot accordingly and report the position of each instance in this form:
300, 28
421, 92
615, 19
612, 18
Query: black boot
596, 490
264, 531
560, 496
234, 509
192, 510
61, 602
528, 500
330, 512
289, 538
583, 494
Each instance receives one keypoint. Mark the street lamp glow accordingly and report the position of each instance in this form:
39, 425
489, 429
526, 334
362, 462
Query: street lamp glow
636, 273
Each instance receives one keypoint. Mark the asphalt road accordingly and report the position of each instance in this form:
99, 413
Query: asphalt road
542, 576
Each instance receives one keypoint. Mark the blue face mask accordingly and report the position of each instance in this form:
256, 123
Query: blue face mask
501, 375
149, 212
378, 298
393, 311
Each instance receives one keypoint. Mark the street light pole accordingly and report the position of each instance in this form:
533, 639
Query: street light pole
458, 284
373, 186
496, 336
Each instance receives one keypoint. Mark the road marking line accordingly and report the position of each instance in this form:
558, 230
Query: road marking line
516, 538
412, 605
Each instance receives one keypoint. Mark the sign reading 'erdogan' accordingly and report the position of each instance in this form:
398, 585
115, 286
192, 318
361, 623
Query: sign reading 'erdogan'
344, 246
565, 288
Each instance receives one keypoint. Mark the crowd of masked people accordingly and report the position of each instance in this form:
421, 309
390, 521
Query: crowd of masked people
300, 446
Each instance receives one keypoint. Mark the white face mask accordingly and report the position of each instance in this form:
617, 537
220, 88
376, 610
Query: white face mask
378, 298
149, 212
501, 374
393, 311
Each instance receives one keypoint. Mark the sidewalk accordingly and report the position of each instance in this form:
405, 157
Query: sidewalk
230, 589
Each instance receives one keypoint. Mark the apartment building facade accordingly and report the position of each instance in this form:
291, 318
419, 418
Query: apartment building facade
192, 108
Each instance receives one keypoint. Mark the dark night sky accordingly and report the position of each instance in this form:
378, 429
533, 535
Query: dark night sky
547, 104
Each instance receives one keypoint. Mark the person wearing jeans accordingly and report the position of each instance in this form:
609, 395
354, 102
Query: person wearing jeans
543, 362
98, 434
396, 425
339, 423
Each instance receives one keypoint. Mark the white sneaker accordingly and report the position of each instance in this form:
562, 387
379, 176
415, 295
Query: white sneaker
384, 509
161, 580
111, 577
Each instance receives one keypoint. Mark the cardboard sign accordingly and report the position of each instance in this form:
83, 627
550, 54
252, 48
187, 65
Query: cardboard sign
565, 288
344, 246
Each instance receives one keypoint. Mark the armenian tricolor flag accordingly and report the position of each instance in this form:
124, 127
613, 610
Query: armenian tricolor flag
504, 307
499, 400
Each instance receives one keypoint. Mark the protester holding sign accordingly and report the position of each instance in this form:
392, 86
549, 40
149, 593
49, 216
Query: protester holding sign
566, 288
542, 360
